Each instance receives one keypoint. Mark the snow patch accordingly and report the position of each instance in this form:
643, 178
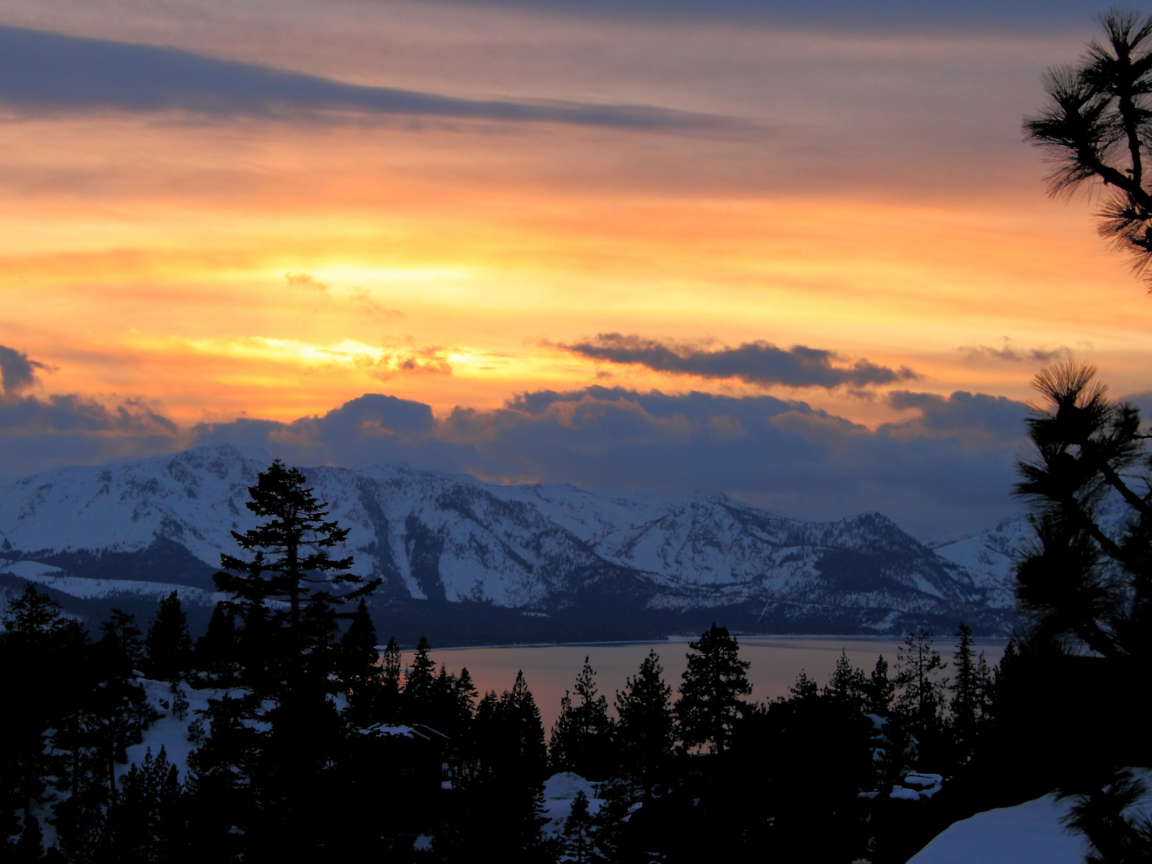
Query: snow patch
560, 790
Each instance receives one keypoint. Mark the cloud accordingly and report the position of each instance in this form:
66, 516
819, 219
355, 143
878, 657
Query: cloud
843, 15
42, 434
47, 72
362, 297
17, 372
974, 416
1009, 354
947, 470
304, 280
760, 363
417, 361
1042, 355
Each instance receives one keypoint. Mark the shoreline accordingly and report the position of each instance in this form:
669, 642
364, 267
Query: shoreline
684, 639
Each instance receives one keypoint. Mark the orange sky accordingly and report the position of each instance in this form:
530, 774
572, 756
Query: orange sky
871, 197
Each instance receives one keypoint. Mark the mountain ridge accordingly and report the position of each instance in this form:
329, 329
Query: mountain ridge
447, 540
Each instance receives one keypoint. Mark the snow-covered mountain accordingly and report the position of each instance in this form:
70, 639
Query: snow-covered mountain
140, 528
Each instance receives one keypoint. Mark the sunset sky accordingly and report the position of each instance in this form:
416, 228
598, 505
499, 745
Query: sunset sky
796, 253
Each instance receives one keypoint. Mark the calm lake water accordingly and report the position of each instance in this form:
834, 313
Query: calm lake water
776, 661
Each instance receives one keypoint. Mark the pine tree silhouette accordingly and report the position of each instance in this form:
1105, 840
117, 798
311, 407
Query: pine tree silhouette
881, 690
146, 820
578, 842
390, 681
847, 686
168, 645
710, 693
290, 563
921, 700
419, 683
966, 696
40, 724
582, 736
645, 727
216, 655
118, 711
358, 667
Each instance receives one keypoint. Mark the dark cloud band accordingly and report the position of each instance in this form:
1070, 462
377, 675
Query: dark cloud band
47, 72
760, 363
948, 469
846, 15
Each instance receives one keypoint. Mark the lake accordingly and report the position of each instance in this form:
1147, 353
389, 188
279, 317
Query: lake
776, 661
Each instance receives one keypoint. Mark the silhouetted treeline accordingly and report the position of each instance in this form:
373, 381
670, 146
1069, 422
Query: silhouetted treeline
341, 750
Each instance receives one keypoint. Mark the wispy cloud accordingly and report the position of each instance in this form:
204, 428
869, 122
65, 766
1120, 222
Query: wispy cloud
1010, 354
306, 281
844, 15
364, 300
414, 361
49, 73
760, 363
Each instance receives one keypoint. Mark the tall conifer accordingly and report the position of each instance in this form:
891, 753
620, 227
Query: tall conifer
710, 693
168, 644
645, 728
966, 695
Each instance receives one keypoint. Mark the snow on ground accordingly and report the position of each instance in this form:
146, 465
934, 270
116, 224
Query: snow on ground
83, 587
170, 731
922, 786
560, 790
1023, 834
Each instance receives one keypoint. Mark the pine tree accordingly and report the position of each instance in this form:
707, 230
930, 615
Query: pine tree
444, 715
921, 700
45, 663
881, 690
577, 842
391, 672
804, 688
419, 683
123, 639
224, 782
216, 655
1082, 580
118, 710
290, 562
582, 737
1106, 810
502, 787
168, 645
145, 822
966, 695
358, 666
522, 715
645, 727
847, 685
986, 690
709, 695
465, 699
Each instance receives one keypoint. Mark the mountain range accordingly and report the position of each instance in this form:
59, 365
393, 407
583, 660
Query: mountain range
467, 562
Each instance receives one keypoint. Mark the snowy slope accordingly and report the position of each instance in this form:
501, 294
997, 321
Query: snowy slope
1009, 835
991, 556
165, 521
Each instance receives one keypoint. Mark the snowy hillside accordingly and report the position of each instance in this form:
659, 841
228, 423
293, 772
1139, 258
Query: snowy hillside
991, 556
143, 527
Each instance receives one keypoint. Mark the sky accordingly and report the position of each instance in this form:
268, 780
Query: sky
796, 253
